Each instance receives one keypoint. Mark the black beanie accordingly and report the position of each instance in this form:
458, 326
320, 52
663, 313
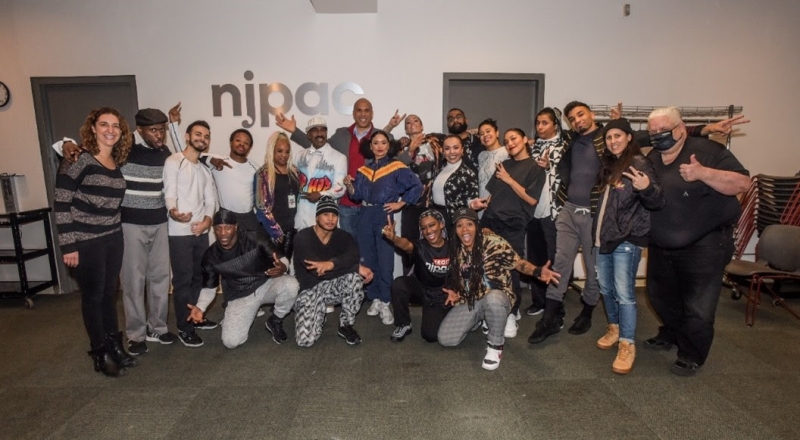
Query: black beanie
224, 217
327, 204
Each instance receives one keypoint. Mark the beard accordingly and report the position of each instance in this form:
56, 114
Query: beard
457, 128
199, 146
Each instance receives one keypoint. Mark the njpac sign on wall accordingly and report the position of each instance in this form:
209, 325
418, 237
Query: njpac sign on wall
289, 99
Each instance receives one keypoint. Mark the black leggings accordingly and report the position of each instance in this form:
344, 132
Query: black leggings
406, 289
97, 274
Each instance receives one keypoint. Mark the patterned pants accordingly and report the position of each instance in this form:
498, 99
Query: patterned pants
310, 306
494, 307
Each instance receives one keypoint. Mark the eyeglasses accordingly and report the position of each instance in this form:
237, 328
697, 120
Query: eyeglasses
453, 118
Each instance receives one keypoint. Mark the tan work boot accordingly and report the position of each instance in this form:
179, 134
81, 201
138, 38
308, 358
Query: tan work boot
610, 338
626, 353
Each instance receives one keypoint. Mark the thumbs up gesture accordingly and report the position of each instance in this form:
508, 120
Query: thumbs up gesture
693, 170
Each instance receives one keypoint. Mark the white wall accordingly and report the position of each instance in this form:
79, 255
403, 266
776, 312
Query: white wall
680, 52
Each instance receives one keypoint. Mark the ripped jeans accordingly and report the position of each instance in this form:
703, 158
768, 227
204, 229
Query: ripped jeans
616, 274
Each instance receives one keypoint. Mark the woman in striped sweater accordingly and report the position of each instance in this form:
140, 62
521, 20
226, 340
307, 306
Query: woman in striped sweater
87, 208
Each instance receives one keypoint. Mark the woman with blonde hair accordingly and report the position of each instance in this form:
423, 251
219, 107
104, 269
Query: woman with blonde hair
276, 190
88, 196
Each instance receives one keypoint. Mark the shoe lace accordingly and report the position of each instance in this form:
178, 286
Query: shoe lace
625, 352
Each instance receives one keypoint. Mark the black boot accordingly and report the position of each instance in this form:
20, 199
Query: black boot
118, 353
104, 364
583, 322
550, 324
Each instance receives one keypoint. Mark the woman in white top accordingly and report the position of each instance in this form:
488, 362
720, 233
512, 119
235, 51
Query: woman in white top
494, 154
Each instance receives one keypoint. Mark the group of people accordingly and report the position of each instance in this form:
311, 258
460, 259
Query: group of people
315, 227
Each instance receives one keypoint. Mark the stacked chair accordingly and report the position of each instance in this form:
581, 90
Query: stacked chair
771, 207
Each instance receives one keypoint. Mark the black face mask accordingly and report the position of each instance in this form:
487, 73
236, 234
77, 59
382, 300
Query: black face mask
663, 141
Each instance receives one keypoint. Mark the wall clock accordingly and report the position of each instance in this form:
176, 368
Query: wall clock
5, 95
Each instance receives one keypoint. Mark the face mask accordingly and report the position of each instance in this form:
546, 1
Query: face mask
663, 141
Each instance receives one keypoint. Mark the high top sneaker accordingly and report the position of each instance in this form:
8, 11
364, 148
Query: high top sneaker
550, 323
492, 359
626, 354
610, 338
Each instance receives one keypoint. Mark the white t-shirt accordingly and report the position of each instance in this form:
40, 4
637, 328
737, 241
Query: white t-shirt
235, 185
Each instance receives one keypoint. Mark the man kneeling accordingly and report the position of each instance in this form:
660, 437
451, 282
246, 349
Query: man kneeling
253, 274
326, 263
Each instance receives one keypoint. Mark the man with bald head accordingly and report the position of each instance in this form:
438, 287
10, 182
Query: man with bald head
345, 140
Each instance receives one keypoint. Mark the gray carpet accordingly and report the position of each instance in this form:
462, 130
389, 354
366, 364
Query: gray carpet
560, 389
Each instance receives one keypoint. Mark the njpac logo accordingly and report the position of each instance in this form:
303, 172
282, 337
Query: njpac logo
265, 91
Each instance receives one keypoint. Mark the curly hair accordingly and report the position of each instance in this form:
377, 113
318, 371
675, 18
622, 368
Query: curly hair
473, 259
89, 139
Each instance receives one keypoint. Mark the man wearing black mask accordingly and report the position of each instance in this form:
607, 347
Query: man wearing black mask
691, 239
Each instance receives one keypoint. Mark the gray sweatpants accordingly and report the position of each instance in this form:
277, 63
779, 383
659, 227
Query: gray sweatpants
145, 279
494, 308
574, 230
310, 307
240, 313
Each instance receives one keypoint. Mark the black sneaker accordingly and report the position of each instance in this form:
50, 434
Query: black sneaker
190, 339
534, 310
545, 328
207, 324
275, 326
657, 344
166, 338
581, 325
349, 334
685, 367
400, 332
137, 348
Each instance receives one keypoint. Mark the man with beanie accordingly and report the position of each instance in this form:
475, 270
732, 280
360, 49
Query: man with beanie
320, 170
326, 264
253, 273
145, 260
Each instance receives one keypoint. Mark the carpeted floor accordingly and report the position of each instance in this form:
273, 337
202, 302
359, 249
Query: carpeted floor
560, 389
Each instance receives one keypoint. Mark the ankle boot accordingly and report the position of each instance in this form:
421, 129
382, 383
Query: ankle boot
610, 338
117, 351
104, 364
583, 322
626, 354
550, 323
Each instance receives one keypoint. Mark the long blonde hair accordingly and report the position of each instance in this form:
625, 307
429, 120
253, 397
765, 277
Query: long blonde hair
268, 170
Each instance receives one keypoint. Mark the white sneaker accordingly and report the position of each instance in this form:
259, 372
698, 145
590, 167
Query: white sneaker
375, 308
386, 314
329, 309
492, 359
518, 315
259, 314
511, 326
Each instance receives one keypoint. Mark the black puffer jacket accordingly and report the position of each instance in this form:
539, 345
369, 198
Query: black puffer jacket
627, 213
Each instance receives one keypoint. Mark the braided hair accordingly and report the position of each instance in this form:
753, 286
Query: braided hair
460, 257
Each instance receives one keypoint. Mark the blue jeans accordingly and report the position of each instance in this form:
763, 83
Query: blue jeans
348, 218
616, 274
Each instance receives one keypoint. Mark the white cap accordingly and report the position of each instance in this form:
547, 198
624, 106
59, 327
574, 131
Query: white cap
316, 122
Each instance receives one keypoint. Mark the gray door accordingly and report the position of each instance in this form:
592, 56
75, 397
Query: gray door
513, 99
61, 105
